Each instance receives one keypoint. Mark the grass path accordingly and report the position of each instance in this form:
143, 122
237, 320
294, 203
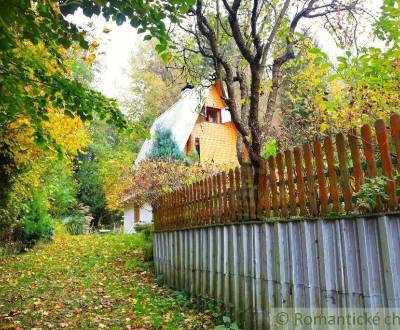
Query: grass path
89, 282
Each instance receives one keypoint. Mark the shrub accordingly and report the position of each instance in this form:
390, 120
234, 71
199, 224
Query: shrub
270, 148
36, 223
372, 190
75, 225
165, 147
193, 156
145, 229
147, 251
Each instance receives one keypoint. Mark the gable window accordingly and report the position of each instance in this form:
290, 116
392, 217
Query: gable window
197, 145
213, 115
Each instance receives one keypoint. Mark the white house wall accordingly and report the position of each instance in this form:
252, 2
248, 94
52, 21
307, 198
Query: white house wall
128, 218
145, 216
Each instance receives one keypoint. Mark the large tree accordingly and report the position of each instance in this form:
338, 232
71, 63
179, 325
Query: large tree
247, 44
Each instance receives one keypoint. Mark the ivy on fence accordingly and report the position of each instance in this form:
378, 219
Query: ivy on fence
320, 179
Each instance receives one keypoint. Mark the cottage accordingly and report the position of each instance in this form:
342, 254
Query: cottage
198, 120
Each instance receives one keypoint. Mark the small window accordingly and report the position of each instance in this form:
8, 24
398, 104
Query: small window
213, 115
197, 145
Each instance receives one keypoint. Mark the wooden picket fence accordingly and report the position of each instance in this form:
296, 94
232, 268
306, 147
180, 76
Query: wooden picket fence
319, 179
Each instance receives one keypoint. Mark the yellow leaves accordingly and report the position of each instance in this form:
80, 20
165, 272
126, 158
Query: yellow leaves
323, 127
91, 58
106, 30
52, 298
69, 133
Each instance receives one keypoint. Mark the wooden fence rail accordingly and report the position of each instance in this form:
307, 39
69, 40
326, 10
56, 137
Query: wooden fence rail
318, 179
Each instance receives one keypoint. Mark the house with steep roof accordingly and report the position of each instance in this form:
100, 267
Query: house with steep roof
199, 121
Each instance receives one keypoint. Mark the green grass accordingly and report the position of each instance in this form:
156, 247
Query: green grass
90, 282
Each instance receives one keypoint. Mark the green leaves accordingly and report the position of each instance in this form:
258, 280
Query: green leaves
165, 148
30, 86
269, 149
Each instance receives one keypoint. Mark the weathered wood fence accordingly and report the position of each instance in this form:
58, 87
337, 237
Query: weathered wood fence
288, 242
319, 179
253, 268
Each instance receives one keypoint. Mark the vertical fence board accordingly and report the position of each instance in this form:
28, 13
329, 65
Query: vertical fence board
245, 192
262, 190
205, 200
238, 193
368, 150
300, 181
232, 202
272, 180
251, 192
310, 180
199, 206
197, 213
387, 168
210, 204
368, 143
330, 160
207, 209
282, 186
344, 172
355, 156
225, 198
291, 185
395, 133
319, 163
220, 200
215, 199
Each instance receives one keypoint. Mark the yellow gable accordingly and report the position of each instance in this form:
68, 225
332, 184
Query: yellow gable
214, 97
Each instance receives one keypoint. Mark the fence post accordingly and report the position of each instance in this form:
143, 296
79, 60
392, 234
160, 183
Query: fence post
225, 196
333, 190
232, 200
245, 192
272, 180
300, 181
250, 191
291, 186
282, 186
344, 172
238, 193
262, 189
310, 180
219, 198
319, 163
395, 132
355, 156
387, 168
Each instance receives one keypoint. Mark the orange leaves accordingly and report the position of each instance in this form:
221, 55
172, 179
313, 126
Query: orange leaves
154, 178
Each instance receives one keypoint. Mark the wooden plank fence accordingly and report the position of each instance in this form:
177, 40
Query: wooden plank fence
319, 179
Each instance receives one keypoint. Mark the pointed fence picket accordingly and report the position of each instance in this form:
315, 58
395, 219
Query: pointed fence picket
319, 179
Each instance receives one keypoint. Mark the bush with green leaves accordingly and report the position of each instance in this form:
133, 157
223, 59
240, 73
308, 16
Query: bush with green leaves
228, 324
36, 224
371, 192
270, 148
193, 156
145, 229
75, 224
